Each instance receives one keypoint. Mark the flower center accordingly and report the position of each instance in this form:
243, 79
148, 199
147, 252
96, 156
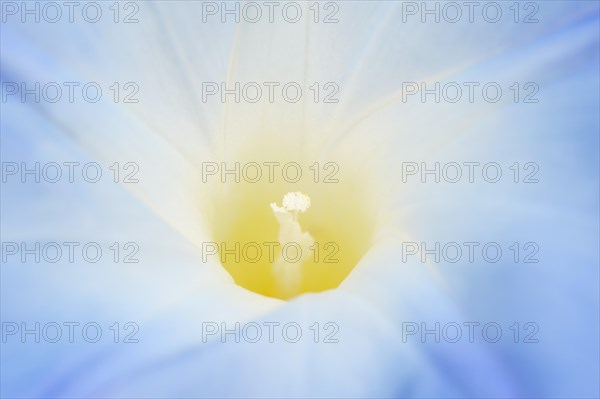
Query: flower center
309, 244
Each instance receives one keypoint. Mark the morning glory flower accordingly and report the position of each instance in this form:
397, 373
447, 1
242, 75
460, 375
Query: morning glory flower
446, 166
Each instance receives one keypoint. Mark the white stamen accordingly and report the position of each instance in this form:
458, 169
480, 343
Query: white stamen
289, 274
296, 201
